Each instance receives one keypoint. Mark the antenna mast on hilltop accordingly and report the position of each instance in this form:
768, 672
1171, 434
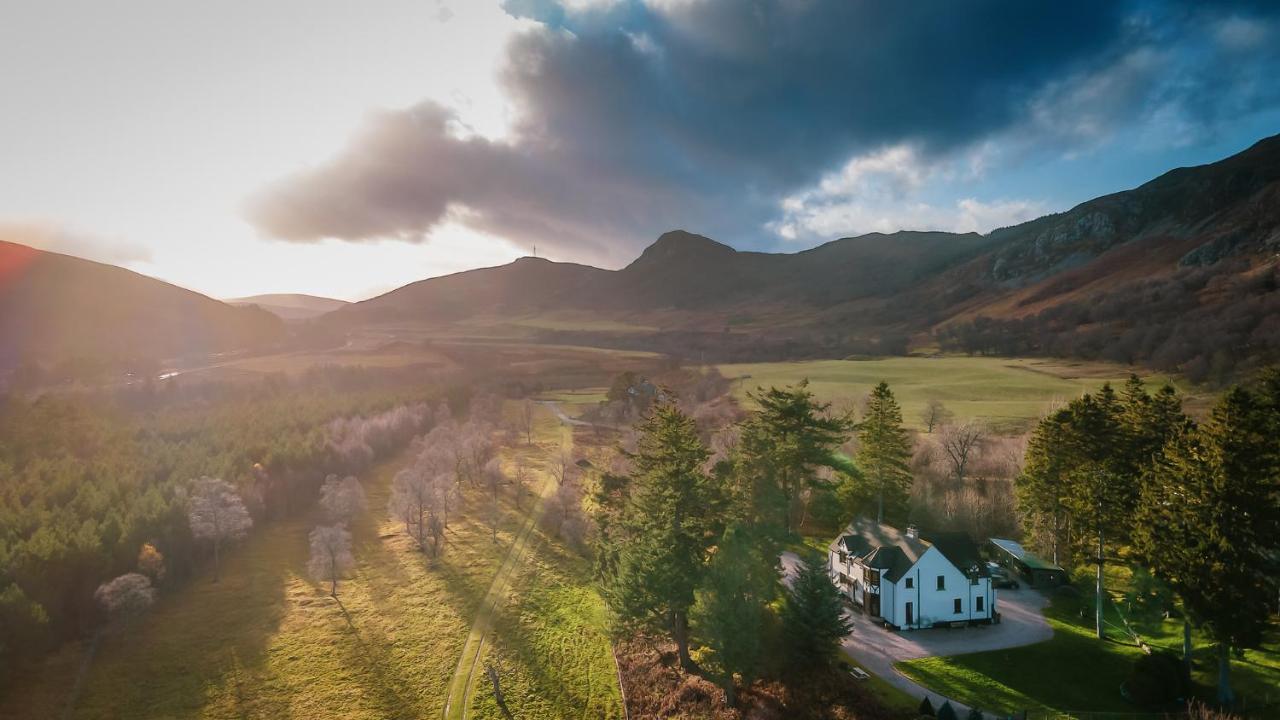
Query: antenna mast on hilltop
535, 251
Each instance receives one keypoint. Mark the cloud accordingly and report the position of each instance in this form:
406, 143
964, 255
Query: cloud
634, 117
58, 238
884, 191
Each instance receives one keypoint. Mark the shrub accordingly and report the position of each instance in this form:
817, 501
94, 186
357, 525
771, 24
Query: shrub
1157, 679
926, 708
946, 712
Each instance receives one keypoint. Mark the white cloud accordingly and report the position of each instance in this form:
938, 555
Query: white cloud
885, 191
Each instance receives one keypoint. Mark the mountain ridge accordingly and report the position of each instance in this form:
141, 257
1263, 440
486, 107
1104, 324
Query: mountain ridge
56, 308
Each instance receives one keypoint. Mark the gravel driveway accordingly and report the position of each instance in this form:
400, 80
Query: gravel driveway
876, 648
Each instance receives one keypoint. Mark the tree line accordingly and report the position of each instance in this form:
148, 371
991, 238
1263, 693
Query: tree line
1127, 477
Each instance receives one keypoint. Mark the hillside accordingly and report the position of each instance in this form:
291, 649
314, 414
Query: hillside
291, 306
1168, 274
683, 280
56, 309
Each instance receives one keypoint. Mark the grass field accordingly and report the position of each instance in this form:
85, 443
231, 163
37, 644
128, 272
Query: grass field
560, 321
1009, 394
267, 642
552, 650
1074, 671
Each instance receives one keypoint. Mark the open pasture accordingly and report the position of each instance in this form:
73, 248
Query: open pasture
1006, 393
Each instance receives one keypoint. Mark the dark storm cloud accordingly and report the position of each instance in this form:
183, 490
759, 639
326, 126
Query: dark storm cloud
634, 118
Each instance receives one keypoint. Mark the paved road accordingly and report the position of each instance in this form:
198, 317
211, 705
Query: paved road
876, 648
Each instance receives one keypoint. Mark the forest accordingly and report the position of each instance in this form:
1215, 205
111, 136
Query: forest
96, 484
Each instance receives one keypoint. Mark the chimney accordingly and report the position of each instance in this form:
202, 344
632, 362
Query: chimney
913, 532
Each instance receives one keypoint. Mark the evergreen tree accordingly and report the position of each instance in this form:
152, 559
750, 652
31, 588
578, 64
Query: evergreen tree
884, 449
1041, 485
783, 444
1101, 488
731, 607
926, 707
1208, 523
813, 619
666, 529
946, 711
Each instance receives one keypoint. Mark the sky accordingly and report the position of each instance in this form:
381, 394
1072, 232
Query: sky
344, 149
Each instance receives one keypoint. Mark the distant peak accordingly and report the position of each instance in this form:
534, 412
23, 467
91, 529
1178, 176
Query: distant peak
685, 240
529, 260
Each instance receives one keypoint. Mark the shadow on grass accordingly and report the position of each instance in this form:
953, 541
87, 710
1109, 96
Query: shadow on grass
375, 657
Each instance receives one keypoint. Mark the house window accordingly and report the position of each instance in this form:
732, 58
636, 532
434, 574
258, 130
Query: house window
978, 606
959, 608
942, 582
911, 582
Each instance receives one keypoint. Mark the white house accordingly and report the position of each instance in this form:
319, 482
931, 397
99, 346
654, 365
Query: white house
912, 581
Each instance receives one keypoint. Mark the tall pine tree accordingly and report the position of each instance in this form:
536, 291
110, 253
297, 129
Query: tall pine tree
731, 608
813, 620
783, 443
884, 450
666, 529
1208, 523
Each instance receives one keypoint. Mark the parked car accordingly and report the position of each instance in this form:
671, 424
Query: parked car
1000, 577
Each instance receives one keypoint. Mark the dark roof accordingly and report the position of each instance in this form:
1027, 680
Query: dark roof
882, 546
959, 549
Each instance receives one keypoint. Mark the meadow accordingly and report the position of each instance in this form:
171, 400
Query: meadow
1008, 394
266, 641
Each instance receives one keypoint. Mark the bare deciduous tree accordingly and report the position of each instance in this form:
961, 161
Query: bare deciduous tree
342, 499
959, 444
493, 479
217, 514
520, 478
935, 415
127, 596
561, 465
527, 415
411, 500
330, 555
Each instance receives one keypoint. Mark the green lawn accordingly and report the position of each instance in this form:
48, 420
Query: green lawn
1008, 393
1076, 672
552, 650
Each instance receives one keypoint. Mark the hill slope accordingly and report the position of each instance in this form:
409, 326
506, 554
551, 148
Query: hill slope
56, 308
1189, 255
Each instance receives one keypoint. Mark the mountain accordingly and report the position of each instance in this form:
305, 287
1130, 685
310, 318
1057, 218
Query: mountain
680, 272
523, 286
291, 306
1179, 273
56, 308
